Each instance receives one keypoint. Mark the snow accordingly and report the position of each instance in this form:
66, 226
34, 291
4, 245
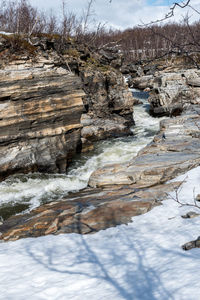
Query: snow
142, 260
6, 33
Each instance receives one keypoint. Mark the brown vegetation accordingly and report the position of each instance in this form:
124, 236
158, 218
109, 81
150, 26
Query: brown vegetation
136, 44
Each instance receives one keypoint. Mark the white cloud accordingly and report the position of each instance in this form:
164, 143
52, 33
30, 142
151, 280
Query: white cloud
120, 13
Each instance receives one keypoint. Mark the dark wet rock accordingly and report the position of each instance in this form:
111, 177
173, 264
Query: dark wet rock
109, 105
198, 198
192, 244
107, 93
105, 128
131, 69
150, 69
190, 214
158, 110
111, 56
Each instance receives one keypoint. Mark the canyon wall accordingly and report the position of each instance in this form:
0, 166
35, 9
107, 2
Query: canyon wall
40, 111
55, 101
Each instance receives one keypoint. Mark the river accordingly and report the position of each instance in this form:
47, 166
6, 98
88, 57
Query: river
25, 192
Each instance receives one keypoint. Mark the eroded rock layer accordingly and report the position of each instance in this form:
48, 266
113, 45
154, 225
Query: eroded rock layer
40, 111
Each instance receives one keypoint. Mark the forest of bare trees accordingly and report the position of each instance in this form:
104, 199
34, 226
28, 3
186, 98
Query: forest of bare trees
137, 43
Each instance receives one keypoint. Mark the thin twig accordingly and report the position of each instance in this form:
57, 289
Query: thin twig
170, 14
176, 197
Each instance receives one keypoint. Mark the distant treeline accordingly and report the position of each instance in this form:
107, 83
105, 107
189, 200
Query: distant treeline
143, 43
137, 43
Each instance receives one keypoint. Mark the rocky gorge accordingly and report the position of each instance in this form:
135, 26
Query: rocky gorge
48, 112
118, 192
59, 105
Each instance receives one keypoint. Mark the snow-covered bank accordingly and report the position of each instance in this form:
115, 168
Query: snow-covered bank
143, 260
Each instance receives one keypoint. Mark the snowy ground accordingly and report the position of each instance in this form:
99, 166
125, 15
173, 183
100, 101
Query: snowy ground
143, 260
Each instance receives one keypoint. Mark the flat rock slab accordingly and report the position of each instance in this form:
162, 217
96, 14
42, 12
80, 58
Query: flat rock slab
85, 212
173, 151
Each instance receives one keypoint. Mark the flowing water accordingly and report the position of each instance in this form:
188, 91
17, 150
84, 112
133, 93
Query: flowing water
24, 192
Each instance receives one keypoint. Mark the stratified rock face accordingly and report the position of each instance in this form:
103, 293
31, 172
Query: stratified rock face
40, 110
172, 92
41, 102
109, 105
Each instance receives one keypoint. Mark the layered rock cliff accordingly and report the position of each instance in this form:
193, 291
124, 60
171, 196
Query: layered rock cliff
45, 87
109, 105
40, 110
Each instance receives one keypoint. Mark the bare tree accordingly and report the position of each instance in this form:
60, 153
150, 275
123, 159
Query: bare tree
51, 23
20, 17
86, 16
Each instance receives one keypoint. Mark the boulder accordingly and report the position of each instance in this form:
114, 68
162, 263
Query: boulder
142, 82
192, 244
190, 215
172, 92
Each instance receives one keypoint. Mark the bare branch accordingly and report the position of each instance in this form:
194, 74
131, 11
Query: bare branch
170, 14
176, 197
87, 15
194, 9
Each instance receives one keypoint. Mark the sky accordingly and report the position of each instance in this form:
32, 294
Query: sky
121, 14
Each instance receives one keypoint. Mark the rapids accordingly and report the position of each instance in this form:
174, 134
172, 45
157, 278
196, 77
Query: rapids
25, 192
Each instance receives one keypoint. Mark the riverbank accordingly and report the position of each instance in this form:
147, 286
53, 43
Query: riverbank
141, 260
120, 191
